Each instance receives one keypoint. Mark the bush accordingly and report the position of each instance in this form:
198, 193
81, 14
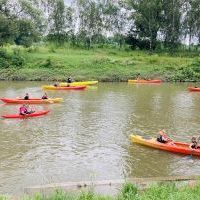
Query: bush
4, 54
17, 60
47, 64
32, 49
196, 66
129, 192
4, 63
4, 58
16, 50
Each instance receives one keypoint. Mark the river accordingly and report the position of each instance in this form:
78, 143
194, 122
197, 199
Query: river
87, 136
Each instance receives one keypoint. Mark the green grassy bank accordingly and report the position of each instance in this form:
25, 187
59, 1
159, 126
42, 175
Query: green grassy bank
55, 64
129, 192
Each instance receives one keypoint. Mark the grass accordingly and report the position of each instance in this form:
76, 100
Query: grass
129, 192
56, 64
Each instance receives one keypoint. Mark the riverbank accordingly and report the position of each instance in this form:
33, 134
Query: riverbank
165, 191
55, 64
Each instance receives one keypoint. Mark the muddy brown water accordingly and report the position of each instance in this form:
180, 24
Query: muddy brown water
87, 136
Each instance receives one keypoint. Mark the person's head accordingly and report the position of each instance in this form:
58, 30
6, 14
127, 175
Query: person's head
194, 139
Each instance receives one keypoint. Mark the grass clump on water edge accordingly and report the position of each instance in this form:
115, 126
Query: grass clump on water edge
161, 191
4, 197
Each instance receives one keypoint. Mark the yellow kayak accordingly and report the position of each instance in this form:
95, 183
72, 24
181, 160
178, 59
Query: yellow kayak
171, 145
145, 81
55, 100
79, 83
51, 87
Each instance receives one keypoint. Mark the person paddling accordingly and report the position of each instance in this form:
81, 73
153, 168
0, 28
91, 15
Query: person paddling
26, 96
194, 143
56, 84
138, 77
23, 110
45, 96
163, 138
69, 80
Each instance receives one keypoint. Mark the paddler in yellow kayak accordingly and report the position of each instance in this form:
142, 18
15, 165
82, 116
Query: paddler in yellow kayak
70, 80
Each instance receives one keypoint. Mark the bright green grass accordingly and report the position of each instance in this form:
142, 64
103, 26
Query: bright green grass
129, 192
49, 63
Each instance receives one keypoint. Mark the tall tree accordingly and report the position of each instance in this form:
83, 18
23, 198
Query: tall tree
171, 28
57, 20
147, 16
90, 20
27, 33
13, 13
60, 21
115, 20
8, 30
194, 18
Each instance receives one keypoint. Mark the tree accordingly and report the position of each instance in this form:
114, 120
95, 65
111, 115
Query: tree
27, 33
147, 17
60, 20
90, 20
8, 30
20, 22
171, 28
115, 19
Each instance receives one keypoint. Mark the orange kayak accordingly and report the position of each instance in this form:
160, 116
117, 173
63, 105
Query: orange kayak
172, 146
145, 81
31, 100
194, 89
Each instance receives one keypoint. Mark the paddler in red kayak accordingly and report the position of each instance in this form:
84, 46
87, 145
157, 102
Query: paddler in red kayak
23, 110
163, 138
26, 96
194, 144
45, 96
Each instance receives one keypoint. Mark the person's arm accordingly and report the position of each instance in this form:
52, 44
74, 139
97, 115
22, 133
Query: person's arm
23, 112
191, 146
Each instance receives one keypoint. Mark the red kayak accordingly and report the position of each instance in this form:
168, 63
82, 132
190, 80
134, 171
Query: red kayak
35, 114
194, 89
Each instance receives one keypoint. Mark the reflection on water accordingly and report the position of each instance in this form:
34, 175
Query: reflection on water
87, 136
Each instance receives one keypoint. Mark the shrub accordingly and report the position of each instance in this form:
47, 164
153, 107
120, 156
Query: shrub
4, 63
17, 60
129, 192
16, 50
48, 63
4, 54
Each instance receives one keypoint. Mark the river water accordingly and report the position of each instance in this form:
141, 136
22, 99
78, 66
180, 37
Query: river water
87, 136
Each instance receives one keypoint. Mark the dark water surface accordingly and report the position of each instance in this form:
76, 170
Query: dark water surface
87, 136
